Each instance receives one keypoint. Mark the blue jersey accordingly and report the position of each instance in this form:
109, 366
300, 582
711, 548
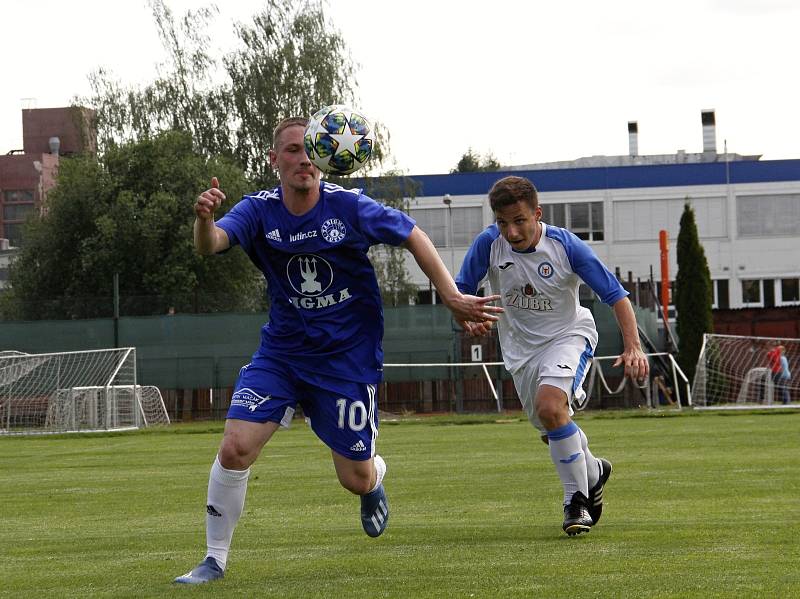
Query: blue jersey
326, 315
539, 288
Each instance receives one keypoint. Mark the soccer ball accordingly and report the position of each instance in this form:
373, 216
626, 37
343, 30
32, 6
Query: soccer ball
339, 140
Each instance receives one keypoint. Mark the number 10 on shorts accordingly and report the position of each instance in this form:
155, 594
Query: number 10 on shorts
356, 414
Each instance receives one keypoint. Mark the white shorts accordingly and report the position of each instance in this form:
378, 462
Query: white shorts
562, 363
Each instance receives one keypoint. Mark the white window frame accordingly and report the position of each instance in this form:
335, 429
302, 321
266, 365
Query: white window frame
779, 295
593, 227
715, 293
760, 302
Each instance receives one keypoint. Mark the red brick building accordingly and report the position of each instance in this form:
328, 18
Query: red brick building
27, 174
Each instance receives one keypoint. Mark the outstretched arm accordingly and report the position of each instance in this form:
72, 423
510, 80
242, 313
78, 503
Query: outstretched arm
463, 307
632, 357
208, 237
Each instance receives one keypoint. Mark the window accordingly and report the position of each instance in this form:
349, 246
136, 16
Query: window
641, 220
764, 216
554, 214
790, 291
434, 222
13, 232
585, 219
721, 299
751, 292
466, 222
18, 195
17, 211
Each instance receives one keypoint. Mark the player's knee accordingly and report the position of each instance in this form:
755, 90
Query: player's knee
549, 414
234, 454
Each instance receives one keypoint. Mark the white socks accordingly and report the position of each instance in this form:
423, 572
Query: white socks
226, 492
380, 469
566, 451
592, 463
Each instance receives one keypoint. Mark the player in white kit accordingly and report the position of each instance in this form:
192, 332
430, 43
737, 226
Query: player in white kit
548, 339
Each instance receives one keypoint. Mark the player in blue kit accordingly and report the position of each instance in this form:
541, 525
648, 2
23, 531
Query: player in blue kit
547, 337
322, 345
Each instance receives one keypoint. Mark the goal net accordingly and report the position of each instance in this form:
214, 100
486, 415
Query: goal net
737, 372
75, 392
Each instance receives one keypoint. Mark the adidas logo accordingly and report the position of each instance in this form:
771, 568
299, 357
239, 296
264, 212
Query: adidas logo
274, 235
359, 446
212, 511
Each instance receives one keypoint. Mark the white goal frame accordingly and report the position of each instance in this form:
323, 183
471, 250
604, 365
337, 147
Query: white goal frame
83, 391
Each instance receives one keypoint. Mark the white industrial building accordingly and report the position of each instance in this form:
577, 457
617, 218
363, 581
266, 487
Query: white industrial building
747, 211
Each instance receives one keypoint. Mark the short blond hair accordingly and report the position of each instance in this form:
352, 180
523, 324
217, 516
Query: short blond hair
284, 125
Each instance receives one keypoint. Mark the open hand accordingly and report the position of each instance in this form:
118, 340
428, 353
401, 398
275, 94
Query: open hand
636, 365
473, 308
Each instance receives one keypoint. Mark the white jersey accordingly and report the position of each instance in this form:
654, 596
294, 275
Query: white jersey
539, 288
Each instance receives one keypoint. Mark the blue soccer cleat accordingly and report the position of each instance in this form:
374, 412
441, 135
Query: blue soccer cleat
207, 571
374, 512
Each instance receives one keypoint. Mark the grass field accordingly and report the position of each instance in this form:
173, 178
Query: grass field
700, 505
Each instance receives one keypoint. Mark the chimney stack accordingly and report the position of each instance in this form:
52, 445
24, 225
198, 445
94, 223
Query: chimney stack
633, 138
709, 131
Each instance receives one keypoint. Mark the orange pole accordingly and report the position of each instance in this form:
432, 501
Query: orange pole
664, 246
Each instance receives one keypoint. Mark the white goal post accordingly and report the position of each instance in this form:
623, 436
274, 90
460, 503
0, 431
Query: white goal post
735, 372
79, 391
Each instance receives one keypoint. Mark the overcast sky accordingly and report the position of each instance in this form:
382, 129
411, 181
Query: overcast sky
529, 81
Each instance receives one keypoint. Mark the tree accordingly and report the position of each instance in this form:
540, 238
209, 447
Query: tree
290, 62
389, 262
693, 294
129, 213
472, 162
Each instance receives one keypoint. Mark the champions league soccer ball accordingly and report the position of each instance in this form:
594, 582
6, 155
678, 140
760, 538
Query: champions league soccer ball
339, 140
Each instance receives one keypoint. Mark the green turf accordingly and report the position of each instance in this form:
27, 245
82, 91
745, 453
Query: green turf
702, 505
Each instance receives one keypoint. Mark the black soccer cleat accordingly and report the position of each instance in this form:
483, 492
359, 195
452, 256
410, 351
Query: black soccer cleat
596, 492
576, 515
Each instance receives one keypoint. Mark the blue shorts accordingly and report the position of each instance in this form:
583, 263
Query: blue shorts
343, 414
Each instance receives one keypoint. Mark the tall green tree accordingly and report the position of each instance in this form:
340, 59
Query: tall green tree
129, 213
289, 61
693, 294
472, 162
